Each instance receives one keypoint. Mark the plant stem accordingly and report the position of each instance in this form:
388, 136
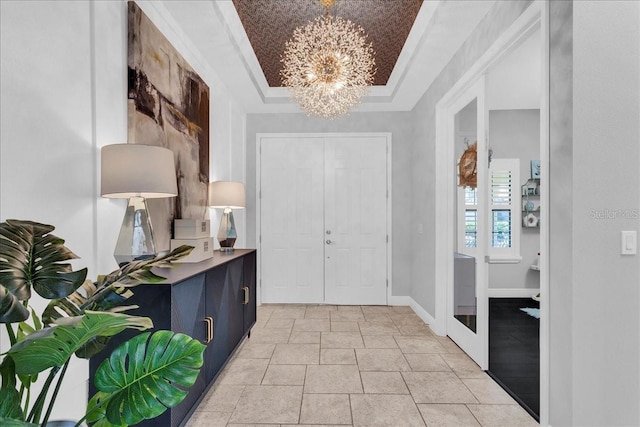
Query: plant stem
11, 333
28, 397
55, 393
36, 411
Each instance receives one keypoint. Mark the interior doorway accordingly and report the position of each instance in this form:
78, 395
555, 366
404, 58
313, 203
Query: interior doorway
494, 250
324, 220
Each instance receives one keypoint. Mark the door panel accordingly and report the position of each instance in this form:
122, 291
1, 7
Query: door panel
355, 220
292, 196
249, 281
466, 295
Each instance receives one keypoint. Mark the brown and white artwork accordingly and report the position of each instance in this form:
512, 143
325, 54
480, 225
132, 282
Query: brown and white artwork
168, 106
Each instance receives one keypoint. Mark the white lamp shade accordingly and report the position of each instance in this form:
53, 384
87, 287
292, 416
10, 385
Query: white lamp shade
136, 170
226, 194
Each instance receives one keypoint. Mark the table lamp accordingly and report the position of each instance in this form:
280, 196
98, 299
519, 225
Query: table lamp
136, 172
227, 195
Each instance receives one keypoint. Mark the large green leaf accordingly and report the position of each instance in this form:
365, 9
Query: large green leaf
10, 401
11, 309
143, 377
31, 257
53, 346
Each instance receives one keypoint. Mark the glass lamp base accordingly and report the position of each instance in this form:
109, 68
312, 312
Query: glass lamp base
136, 240
227, 232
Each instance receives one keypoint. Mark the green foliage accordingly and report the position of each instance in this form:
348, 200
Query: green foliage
7, 422
53, 346
11, 309
80, 319
164, 362
31, 257
10, 402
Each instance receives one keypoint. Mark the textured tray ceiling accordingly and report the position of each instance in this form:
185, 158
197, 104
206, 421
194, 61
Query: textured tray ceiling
270, 23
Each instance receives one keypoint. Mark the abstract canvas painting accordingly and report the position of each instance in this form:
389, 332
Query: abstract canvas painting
168, 106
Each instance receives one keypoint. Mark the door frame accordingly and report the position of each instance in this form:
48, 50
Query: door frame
537, 14
262, 137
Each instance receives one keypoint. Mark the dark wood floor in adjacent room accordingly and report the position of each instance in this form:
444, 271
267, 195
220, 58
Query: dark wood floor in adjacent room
514, 350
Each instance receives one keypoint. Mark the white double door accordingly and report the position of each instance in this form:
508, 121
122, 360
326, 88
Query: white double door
323, 219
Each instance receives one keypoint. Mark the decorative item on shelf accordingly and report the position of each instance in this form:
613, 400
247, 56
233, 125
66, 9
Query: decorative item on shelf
535, 169
531, 187
196, 233
137, 172
529, 206
191, 228
531, 203
530, 220
328, 65
227, 195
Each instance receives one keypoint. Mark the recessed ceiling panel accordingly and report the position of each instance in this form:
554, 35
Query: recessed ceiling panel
270, 23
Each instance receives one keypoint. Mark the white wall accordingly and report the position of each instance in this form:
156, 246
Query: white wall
63, 96
514, 83
47, 145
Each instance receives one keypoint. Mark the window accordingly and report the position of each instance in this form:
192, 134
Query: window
504, 183
470, 217
504, 217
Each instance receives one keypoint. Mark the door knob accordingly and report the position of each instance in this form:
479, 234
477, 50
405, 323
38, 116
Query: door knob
329, 242
328, 231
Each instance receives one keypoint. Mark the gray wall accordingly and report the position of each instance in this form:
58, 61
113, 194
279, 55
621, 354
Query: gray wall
515, 134
594, 292
401, 129
423, 249
606, 147
560, 212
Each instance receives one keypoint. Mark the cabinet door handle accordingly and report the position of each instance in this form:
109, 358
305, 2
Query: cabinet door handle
246, 295
209, 322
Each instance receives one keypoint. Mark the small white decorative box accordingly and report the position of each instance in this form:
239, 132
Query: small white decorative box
202, 248
191, 228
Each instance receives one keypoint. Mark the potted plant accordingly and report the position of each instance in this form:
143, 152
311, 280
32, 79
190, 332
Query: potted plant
139, 380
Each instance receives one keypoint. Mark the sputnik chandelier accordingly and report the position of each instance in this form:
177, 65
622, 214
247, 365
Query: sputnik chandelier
328, 65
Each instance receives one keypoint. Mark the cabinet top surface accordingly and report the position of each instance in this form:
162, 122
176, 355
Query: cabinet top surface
183, 271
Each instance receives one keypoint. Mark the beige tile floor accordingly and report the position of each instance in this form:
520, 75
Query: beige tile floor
322, 365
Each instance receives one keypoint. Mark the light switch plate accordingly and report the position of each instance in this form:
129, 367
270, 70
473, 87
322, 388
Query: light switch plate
629, 243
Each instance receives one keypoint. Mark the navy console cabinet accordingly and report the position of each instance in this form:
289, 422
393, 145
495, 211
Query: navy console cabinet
213, 301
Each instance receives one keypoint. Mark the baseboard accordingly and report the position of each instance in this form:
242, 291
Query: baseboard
512, 293
417, 308
399, 300
422, 313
